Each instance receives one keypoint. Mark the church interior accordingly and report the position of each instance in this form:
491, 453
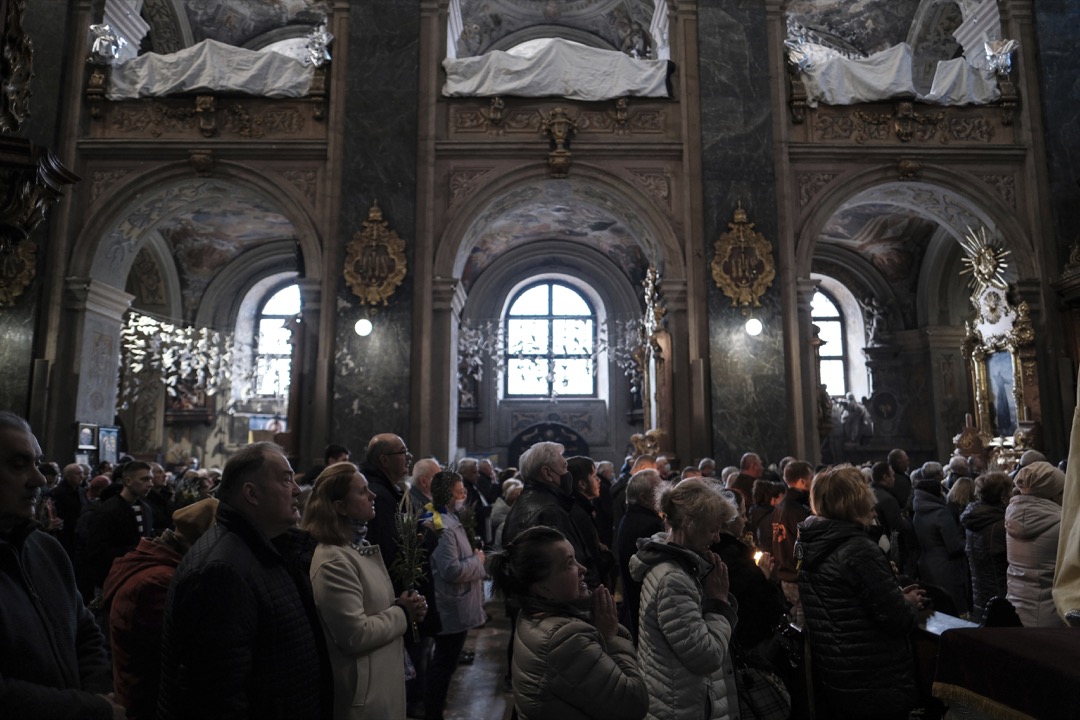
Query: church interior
817, 228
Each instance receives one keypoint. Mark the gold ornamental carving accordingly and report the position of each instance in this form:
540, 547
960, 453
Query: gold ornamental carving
17, 263
742, 264
375, 264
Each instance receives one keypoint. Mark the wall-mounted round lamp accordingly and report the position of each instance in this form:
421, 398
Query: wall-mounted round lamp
363, 327
753, 327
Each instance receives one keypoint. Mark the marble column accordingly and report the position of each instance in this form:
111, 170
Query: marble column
676, 415
441, 425
807, 355
310, 427
98, 318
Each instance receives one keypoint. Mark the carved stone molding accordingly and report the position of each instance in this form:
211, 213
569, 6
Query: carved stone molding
168, 34
17, 263
202, 161
620, 120
206, 116
303, 180
560, 129
656, 183
812, 183
908, 169
463, 182
103, 180
1004, 185
16, 67
905, 124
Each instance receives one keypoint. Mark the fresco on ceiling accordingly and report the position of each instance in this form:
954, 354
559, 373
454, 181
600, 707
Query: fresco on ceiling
865, 25
206, 239
893, 242
237, 21
590, 225
488, 21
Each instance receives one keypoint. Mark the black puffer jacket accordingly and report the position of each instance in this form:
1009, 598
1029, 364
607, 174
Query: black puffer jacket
52, 655
857, 620
984, 526
241, 638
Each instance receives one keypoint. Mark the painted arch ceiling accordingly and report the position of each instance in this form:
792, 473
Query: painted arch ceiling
889, 235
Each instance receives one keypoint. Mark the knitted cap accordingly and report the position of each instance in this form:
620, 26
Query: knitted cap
193, 520
1040, 479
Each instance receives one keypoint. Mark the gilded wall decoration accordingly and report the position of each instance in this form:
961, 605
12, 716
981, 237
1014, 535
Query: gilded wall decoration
560, 129
463, 182
375, 262
742, 264
810, 184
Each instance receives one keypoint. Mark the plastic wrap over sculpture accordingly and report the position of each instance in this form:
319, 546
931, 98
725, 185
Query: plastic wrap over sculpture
210, 66
560, 69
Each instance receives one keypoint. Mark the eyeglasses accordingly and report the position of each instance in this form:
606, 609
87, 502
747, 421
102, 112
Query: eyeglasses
404, 451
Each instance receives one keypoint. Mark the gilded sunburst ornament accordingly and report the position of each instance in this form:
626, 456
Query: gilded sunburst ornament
985, 261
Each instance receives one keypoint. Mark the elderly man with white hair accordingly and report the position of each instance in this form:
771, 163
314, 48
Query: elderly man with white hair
642, 520
420, 484
547, 496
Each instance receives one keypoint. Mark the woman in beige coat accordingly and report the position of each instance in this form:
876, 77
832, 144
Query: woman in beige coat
360, 617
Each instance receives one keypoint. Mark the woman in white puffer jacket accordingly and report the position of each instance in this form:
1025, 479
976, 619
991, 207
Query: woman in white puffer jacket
687, 615
1032, 525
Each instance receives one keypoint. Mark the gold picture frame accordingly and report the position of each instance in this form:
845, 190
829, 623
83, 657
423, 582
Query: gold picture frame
1000, 351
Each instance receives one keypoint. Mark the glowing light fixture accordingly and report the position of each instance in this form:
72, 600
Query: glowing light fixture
753, 327
363, 327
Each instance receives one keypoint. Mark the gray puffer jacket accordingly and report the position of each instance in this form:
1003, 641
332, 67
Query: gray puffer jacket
564, 670
1032, 525
684, 638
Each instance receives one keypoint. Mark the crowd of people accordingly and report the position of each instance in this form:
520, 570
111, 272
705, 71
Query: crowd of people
348, 591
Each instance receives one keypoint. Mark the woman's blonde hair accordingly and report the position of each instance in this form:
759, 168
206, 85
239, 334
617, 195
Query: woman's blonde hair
693, 502
841, 493
321, 518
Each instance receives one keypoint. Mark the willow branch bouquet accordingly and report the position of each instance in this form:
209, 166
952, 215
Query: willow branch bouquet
408, 565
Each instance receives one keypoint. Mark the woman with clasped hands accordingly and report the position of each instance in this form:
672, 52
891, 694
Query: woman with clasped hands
569, 663
360, 617
687, 613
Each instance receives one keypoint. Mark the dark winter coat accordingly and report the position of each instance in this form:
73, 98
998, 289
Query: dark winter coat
382, 529
987, 558
941, 543
761, 604
135, 593
241, 637
542, 504
637, 523
792, 510
858, 622
52, 655
68, 503
581, 516
759, 523
113, 532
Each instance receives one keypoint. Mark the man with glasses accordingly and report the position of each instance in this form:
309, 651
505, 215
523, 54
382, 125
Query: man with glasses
386, 466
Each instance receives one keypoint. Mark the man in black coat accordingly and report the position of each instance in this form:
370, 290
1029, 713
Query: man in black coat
641, 520
241, 638
69, 499
117, 526
792, 510
386, 466
547, 496
52, 655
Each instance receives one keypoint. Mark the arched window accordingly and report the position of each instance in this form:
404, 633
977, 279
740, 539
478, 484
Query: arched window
832, 368
550, 343
273, 343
